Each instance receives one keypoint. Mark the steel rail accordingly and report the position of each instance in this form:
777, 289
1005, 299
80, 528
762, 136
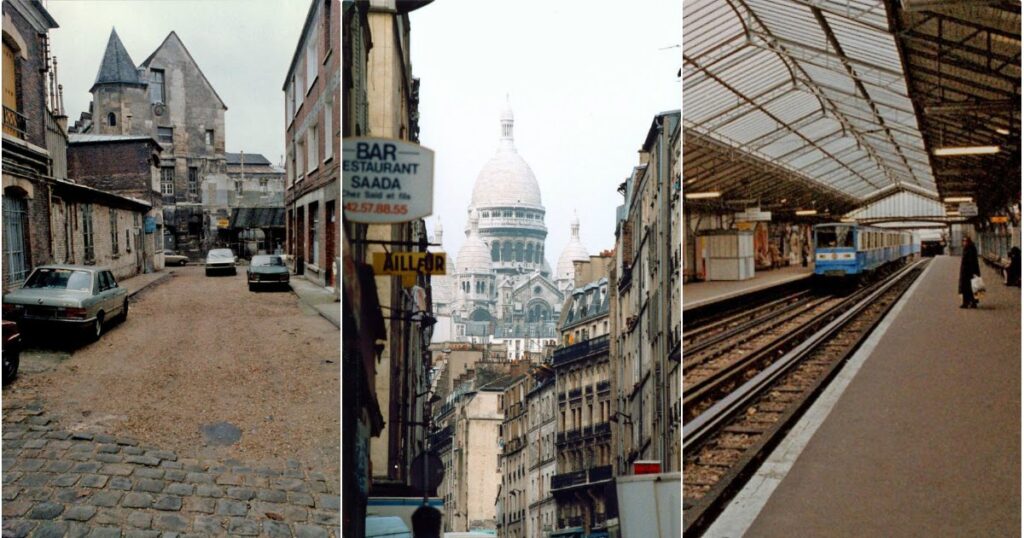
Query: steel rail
767, 322
698, 390
696, 430
755, 315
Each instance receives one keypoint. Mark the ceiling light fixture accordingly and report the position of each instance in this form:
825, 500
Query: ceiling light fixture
702, 195
965, 150
958, 199
1002, 131
806, 212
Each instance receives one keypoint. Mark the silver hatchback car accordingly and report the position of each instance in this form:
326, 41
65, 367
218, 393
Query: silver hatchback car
78, 297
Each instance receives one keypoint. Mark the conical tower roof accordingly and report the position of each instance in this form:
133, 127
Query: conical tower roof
117, 66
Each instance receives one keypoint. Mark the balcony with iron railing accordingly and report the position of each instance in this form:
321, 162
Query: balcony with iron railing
514, 444
440, 437
582, 350
15, 123
581, 478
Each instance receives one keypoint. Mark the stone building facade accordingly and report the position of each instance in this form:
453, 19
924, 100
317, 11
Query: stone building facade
47, 217
511, 505
254, 189
128, 165
27, 161
646, 322
525, 506
94, 227
583, 488
469, 423
541, 517
313, 145
254, 180
169, 98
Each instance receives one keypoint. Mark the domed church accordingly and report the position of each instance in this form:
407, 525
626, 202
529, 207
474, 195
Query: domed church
501, 287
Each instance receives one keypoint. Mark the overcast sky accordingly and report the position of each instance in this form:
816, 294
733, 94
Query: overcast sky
244, 48
585, 81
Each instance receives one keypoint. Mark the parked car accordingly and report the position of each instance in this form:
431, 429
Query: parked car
221, 259
170, 258
266, 270
11, 351
76, 297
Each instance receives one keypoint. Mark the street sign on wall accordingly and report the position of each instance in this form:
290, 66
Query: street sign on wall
386, 181
968, 210
753, 214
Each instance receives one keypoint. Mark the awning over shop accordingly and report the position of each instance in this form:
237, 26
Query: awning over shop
257, 217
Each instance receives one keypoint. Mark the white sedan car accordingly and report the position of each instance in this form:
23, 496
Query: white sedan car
220, 259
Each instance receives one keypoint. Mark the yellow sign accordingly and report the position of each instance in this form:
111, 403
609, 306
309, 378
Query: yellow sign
999, 220
222, 223
409, 263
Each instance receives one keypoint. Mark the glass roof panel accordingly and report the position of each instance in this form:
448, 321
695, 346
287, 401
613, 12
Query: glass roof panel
814, 86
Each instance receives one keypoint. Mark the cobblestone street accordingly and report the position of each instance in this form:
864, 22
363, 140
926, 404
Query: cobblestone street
120, 437
56, 483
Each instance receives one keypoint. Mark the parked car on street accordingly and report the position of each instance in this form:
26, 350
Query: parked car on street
221, 259
75, 297
267, 270
11, 351
170, 258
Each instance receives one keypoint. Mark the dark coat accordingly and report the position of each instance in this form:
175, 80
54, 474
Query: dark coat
1013, 271
968, 268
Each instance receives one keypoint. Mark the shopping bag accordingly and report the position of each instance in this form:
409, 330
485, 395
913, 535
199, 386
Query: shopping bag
977, 284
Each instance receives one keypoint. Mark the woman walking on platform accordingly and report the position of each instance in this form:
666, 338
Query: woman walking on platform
968, 269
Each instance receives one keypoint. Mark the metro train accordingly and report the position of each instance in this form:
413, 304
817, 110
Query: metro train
852, 250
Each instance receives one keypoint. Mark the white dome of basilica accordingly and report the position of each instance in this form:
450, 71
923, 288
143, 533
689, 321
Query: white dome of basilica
573, 251
474, 256
506, 180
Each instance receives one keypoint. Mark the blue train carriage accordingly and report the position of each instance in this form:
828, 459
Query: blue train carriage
847, 249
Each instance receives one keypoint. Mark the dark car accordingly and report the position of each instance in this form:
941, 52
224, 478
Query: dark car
267, 270
76, 297
11, 351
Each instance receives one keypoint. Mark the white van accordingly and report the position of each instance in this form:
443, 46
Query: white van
386, 527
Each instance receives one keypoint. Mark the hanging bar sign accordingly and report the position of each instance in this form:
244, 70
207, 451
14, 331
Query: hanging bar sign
386, 181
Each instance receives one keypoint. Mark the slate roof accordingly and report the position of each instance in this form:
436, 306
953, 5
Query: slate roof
117, 66
250, 158
83, 138
257, 217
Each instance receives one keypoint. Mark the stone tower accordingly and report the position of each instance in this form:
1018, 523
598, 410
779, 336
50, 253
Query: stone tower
119, 93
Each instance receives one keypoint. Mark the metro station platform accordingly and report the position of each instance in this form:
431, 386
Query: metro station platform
698, 294
918, 435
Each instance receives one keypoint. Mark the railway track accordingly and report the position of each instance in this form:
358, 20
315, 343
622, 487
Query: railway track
733, 418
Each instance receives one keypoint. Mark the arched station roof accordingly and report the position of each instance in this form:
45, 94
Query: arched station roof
843, 103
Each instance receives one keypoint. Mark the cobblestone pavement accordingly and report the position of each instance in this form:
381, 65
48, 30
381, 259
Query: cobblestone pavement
57, 483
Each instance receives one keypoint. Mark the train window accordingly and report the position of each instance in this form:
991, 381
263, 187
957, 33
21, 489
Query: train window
833, 237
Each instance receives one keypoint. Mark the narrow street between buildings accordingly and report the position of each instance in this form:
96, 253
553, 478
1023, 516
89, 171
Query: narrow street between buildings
212, 409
